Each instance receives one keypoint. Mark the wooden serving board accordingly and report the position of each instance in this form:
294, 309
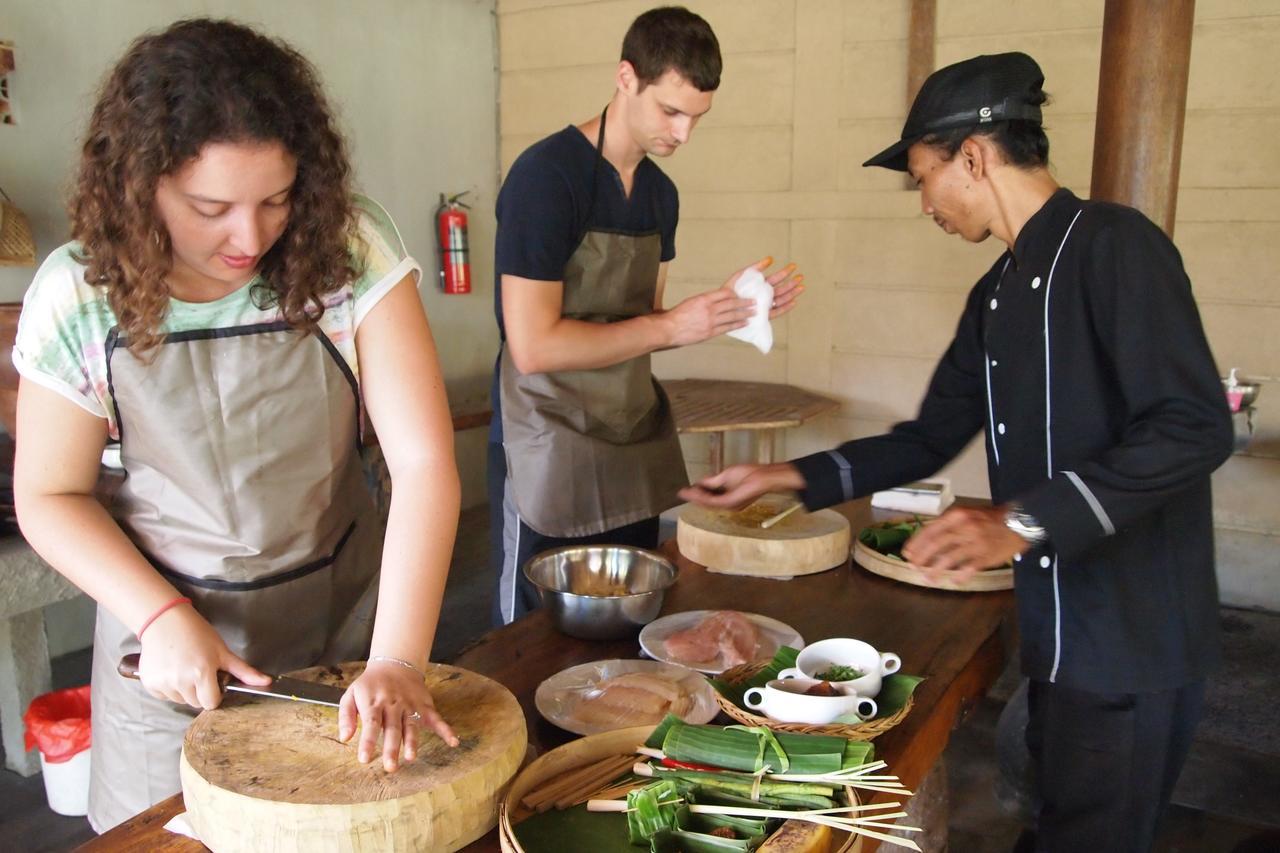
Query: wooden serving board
734, 543
900, 570
268, 774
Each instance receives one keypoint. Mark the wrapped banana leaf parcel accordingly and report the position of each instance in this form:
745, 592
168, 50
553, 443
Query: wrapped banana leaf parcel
727, 789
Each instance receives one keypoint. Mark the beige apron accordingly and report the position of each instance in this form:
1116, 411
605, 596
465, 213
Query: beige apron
591, 450
245, 490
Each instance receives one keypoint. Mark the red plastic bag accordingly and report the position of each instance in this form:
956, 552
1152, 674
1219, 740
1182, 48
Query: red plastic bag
58, 723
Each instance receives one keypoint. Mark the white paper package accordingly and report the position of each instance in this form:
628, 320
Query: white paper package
758, 331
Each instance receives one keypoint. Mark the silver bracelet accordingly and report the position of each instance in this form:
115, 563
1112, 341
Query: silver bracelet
403, 663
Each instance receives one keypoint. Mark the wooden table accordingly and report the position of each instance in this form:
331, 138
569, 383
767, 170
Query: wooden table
953, 638
715, 406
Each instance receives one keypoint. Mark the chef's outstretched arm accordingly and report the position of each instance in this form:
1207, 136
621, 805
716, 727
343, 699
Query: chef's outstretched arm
59, 450
403, 389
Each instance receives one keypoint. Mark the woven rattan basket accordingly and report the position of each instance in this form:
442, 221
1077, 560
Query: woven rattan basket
869, 730
17, 247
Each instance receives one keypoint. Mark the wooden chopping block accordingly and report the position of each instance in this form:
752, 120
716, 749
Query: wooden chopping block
734, 543
269, 774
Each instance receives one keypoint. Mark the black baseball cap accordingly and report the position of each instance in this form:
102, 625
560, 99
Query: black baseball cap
971, 93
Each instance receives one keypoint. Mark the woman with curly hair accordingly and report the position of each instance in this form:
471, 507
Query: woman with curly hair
227, 310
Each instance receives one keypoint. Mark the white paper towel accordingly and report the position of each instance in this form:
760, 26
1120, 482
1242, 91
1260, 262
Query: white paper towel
758, 331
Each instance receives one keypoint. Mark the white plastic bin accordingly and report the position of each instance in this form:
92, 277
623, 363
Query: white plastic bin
66, 784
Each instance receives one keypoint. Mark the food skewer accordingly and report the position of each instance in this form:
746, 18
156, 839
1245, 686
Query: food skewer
822, 816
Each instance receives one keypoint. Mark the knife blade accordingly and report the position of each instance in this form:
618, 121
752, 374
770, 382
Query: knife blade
281, 686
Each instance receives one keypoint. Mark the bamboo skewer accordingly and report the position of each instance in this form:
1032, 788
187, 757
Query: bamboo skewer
774, 519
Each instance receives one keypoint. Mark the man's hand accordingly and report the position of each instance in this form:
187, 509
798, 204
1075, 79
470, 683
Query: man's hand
706, 316
964, 541
718, 311
738, 485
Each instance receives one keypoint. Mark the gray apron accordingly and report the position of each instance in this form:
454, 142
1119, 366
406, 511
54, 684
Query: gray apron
244, 489
591, 450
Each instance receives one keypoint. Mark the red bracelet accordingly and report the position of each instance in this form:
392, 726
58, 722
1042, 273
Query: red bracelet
158, 613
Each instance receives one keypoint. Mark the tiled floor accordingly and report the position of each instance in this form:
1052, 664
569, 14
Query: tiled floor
1228, 800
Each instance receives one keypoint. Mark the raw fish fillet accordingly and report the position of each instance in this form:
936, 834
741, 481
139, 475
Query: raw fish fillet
632, 699
725, 634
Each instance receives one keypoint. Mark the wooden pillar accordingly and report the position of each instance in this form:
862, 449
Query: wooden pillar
1142, 99
922, 38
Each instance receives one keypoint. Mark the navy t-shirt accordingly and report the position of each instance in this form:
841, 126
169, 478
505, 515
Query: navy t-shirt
543, 215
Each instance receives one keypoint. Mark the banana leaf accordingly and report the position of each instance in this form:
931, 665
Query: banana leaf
745, 827
701, 779
749, 749
650, 809
556, 831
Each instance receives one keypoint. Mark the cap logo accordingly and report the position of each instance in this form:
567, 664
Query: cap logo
984, 114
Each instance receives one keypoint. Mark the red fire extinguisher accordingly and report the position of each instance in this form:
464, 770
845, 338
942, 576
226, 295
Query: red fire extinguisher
451, 240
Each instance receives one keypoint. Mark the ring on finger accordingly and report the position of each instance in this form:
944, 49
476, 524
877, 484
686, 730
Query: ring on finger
414, 717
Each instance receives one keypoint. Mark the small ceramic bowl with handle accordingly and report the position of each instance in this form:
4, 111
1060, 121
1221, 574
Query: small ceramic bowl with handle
787, 701
817, 659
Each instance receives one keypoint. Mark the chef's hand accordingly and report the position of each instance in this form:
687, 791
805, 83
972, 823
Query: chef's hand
181, 657
391, 700
738, 485
964, 541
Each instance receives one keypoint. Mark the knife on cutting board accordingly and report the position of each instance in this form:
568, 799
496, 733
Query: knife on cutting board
281, 686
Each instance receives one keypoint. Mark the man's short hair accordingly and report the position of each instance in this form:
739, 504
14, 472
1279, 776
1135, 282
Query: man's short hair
671, 38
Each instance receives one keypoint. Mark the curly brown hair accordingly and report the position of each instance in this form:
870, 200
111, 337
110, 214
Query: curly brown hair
204, 81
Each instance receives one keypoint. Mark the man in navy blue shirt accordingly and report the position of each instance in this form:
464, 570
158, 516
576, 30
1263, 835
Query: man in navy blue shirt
1081, 359
584, 447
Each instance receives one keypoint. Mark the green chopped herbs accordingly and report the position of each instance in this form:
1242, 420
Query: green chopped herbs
840, 672
888, 539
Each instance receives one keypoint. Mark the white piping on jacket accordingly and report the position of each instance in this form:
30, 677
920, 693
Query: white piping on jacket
991, 410
1048, 438
1093, 502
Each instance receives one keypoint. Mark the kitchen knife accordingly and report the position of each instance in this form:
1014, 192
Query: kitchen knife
281, 686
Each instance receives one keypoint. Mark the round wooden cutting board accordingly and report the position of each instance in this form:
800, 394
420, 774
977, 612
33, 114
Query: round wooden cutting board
734, 543
900, 570
269, 774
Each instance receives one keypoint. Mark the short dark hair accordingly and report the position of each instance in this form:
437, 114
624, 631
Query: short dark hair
671, 38
1023, 142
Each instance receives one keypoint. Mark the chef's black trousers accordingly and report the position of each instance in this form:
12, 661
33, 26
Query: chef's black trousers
512, 543
1106, 763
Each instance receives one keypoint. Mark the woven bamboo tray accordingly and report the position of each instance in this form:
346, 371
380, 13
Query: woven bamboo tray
900, 570
576, 754
869, 730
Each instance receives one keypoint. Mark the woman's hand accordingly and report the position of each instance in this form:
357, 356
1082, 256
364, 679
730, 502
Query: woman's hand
181, 657
391, 700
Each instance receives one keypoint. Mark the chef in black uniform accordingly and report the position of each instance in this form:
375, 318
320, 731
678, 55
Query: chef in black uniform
1081, 358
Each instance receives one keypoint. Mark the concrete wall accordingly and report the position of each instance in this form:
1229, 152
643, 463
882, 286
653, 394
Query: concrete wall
414, 84
811, 88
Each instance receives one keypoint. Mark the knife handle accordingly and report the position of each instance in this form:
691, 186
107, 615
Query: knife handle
128, 667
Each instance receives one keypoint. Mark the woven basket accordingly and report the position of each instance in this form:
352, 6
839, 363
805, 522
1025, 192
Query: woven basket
869, 730
580, 752
17, 247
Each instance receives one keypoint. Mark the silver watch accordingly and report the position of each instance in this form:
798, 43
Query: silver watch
1025, 525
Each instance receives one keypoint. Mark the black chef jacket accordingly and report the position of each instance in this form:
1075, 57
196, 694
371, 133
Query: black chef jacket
1081, 356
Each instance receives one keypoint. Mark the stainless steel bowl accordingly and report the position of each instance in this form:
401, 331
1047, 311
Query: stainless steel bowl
601, 592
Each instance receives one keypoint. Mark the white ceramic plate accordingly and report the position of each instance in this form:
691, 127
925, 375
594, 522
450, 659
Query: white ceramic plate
558, 698
773, 635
